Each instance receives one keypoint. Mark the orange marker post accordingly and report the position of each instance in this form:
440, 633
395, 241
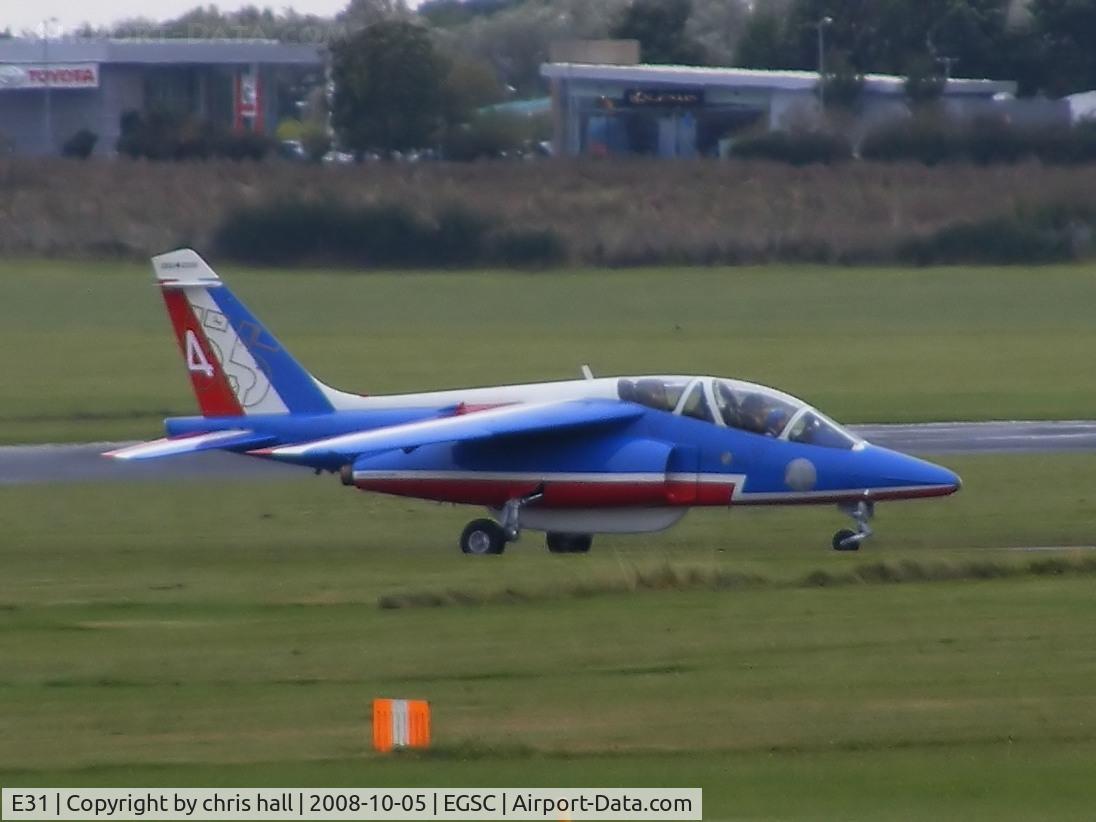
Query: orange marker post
400, 723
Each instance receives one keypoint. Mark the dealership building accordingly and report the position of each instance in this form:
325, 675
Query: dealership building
50, 89
602, 109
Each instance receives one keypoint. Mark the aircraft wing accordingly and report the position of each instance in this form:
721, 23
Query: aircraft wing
510, 421
189, 444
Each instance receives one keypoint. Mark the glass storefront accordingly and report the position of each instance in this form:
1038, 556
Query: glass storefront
612, 127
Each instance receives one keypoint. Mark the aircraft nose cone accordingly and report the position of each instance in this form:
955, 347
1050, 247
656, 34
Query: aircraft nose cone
946, 477
901, 470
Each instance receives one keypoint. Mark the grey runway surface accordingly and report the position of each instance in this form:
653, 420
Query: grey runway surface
28, 464
983, 437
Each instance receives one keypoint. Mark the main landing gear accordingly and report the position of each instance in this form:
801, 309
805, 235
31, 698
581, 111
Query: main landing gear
569, 543
861, 512
485, 536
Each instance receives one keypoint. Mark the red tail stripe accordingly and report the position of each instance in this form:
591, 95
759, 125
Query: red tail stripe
215, 395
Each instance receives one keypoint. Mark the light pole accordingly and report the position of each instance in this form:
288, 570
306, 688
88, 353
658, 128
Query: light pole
48, 107
821, 26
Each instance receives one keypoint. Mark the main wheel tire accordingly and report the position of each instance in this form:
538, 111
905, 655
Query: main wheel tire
482, 537
569, 543
841, 543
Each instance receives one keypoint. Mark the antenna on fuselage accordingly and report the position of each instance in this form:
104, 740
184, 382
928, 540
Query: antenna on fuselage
587, 373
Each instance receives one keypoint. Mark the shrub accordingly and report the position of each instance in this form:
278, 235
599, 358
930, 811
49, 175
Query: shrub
162, 136
242, 146
1003, 241
460, 237
984, 142
797, 148
80, 145
289, 129
280, 232
381, 235
925, 142
315, 141
292, 231
524, 248
489, 135
990, 141
1069, 146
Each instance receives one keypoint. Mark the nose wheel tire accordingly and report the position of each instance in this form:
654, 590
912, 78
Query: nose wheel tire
482, 537
861, 512
569, 543
846, 540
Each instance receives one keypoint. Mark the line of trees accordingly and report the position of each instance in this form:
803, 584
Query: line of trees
421, 77
1048, 46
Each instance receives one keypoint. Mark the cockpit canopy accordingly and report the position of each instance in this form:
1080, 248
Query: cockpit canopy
742, 405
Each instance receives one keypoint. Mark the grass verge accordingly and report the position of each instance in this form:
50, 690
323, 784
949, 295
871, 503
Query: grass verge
88, 354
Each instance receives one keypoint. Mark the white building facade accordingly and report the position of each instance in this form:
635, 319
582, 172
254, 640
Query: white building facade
688, 111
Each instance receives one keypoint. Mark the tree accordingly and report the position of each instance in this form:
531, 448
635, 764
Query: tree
884, 35
1065, 45
388, 88
763, 44
842, 84
470, 84
359, 14
925, 81
659, 26
716, 26
249, 22
515, 41
445, 13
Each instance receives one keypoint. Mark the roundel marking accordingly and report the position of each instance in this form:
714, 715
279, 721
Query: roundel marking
801, 475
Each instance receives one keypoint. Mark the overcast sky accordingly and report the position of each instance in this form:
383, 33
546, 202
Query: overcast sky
29, 14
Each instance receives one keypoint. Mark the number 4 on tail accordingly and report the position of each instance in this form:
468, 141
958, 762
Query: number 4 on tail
196, 361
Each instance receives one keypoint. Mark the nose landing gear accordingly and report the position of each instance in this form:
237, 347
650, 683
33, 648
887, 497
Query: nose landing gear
861, 512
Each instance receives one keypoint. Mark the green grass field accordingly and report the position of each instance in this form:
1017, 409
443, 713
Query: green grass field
86, 352
182, 633
178, 633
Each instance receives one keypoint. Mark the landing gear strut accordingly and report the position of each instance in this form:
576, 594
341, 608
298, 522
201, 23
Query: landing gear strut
861, 512
485, 536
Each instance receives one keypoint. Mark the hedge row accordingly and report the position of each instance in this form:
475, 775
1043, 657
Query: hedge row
987, 143
931, 143
1059, 234
796, 148
375, 236
162, 137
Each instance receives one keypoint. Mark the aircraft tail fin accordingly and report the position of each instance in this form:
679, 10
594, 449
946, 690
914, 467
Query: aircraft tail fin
236, 365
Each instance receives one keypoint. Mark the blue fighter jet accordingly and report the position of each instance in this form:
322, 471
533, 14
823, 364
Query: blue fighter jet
572, 459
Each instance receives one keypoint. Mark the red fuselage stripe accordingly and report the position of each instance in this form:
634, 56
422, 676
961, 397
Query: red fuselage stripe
557, 494
494, 493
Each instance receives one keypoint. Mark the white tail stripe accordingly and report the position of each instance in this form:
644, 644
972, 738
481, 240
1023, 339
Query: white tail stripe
401, 728
248, 381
